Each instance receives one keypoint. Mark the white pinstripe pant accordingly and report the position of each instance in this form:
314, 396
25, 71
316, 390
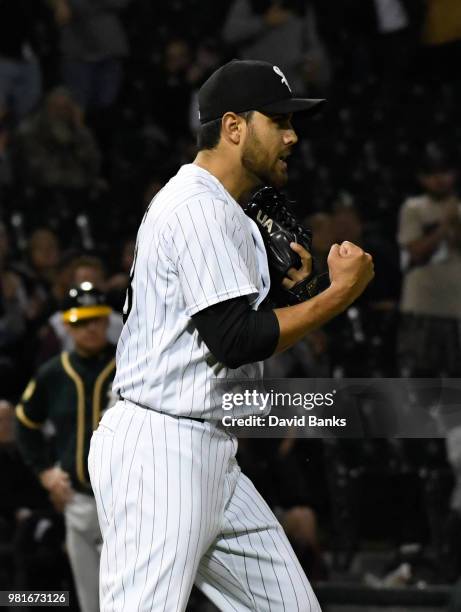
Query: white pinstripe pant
174, 509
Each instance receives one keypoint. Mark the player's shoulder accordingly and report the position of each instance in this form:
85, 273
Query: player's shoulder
191, 190
417, 203
191, 184
48, 371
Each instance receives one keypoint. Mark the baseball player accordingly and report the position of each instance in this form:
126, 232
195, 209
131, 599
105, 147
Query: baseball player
173, 505
71, 391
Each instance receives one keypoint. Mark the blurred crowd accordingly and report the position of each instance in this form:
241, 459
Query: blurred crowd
98, 108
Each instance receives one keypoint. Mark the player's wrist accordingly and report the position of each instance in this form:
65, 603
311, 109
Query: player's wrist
341, 292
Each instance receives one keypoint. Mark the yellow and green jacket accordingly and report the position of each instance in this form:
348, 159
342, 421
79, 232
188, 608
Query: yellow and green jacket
71, 391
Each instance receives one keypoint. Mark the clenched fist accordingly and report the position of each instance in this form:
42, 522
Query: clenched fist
350, 269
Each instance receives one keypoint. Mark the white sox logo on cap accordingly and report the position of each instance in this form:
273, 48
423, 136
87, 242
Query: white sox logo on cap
280, 73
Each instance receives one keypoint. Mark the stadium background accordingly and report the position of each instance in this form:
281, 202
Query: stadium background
92, 135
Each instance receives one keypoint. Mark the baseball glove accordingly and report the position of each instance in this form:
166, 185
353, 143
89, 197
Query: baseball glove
268, 209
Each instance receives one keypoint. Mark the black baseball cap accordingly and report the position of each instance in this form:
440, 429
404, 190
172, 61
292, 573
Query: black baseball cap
244, 85
84, 301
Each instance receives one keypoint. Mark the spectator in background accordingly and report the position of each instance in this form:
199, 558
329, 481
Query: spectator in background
55, 336
365, 336
171, 88
430, 239
20, 76
44, 299
43, 276
88, 268
44, 253
93, 45
384, 292
13, 304
72, 391
54, 148
282, 33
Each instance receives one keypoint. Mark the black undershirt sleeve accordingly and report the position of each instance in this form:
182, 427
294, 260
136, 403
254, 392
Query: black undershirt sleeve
236, 334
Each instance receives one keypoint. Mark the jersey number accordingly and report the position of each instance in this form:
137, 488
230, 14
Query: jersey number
129, 292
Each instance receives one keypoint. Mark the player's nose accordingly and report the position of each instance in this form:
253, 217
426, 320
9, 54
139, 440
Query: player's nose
290, 137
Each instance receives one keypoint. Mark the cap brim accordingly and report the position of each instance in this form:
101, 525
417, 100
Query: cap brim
294, 105
80, 313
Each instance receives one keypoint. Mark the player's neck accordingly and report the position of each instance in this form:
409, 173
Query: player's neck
232, 176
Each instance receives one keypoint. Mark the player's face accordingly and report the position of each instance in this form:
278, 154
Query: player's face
90, 335
266, 148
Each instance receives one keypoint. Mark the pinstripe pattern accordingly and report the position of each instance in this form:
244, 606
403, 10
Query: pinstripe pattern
172, 503
195, 247
178, 510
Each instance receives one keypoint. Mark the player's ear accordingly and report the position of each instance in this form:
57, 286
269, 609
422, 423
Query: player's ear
231, 127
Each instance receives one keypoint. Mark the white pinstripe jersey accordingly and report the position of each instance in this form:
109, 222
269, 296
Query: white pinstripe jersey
195, 247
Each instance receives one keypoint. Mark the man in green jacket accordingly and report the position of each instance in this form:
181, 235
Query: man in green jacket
69, 394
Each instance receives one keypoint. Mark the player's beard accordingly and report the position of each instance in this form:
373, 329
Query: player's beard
258, 165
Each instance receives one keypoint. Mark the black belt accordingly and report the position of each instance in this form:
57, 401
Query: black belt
120, 397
